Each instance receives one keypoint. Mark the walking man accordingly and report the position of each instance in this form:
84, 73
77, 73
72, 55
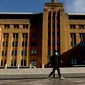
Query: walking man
55, 64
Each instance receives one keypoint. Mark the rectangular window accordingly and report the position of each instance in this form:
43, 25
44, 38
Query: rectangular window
13, 62
33, 62
24, 53
5, 43
25, 26
4, 53
5, 35
24, 35
33, 52
73, 39
82, 35
24, 43
82, 39
16, 26
15, 35
82, 43
72, 26
73, 43
6, 26
4, 62
81, 26
14, 44
14, 53
23, 62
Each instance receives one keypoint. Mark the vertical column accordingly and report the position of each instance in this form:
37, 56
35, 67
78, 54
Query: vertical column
28, 55
63, 32
68, 38
51, 33
56, 31
0, 45
9, 51
45, 37
19, 49
77, 26
77, 39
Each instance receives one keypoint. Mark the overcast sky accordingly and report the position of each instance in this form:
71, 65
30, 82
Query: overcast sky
36, 6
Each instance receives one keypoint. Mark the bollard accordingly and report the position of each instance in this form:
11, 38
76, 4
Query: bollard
18, 66
42, 65
30, 66
5, 66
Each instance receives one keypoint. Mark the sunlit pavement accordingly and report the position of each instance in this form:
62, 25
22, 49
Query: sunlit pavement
52, 81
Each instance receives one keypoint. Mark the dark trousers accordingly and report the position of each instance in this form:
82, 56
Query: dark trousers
53, 71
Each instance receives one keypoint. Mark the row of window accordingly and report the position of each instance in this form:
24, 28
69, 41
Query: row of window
81, 35
82, 43
23, 62
15, 35
23, 53
72, 26
15, 44
25, 26
82, 39
14, 53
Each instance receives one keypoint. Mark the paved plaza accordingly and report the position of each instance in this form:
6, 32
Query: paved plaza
56, 81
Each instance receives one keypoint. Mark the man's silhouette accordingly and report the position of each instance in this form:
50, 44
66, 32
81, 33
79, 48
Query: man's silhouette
55, 64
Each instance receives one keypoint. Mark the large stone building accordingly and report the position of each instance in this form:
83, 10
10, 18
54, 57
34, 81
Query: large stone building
30, 38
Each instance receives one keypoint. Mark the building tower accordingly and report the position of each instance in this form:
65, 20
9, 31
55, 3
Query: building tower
53, 1
53, 29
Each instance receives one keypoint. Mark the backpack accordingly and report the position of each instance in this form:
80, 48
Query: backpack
54, 60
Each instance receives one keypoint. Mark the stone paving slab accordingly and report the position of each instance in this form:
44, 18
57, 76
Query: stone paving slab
39, 76
55, 81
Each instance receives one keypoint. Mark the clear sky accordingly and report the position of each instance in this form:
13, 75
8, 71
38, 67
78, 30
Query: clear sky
23, 5
36, 6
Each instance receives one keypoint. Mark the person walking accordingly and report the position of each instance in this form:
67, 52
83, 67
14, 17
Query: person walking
55, 64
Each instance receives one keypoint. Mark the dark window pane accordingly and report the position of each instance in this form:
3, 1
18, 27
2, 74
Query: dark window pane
23, 53
6, 26
15, 35
16, 26
81, 26
24, 62
4, 62
25, 26
14, 53
21, 62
